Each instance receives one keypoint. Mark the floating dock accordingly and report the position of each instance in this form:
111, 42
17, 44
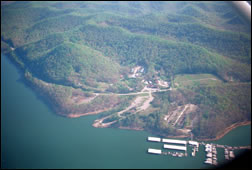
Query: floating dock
208, 161
231, 154
154, 139
175, 147
174, 141
154, 151
208, 148
211, 151
193, 143
209, 154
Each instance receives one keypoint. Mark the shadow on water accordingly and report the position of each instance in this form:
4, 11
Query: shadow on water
39, 96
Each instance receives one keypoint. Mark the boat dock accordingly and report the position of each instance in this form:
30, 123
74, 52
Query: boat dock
154, 139
181, 145
174, 141
211, 154
195, 147
154, 151
183, 148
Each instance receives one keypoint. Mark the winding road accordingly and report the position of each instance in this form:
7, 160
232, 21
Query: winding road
135, 103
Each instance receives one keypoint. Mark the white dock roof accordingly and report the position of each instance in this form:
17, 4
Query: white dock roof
155, 151
154, 139
193, 142
174, 141
175, 147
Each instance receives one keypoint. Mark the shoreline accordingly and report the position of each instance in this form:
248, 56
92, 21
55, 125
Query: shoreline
222, 134
128, 128
227, 130
73, 115
219, 136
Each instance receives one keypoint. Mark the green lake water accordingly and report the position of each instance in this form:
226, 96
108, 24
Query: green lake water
32, 136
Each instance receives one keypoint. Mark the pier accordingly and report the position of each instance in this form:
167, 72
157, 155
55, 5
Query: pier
195, 146
154, 151
211, 154
175, 147
210, 149
154, 139
174, 141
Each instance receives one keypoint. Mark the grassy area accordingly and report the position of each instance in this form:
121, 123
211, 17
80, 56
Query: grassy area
184, 80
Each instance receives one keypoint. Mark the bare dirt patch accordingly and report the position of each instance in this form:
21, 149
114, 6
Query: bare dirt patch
75, 115
175, 116
135, 103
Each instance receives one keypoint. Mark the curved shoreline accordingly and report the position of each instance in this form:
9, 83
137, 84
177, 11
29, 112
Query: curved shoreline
222, 134
219, 136
76, 115
227, 130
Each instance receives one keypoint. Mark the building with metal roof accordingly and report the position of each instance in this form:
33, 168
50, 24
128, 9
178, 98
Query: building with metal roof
174, 141
154, 139
154, 151
175, 147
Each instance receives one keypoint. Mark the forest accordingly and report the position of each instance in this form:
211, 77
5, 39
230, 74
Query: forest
71, 51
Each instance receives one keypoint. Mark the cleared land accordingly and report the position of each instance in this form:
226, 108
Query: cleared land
192, 79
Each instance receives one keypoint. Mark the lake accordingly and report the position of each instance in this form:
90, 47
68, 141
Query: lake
32, 136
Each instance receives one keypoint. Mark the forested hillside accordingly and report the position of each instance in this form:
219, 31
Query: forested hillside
86, 53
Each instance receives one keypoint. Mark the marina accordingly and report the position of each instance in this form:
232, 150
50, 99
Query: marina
210, 149
211, 154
